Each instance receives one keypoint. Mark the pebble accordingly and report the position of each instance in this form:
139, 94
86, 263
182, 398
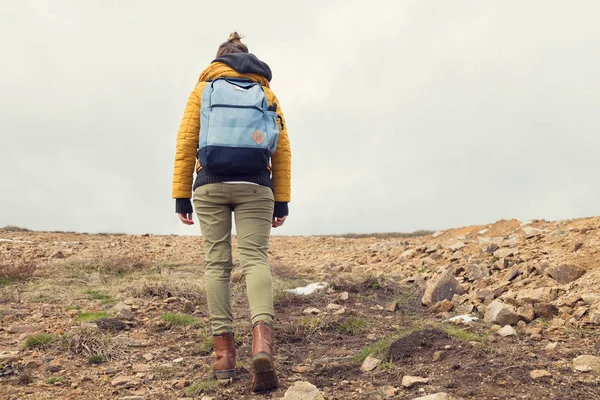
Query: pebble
370, 364
302, 390
409, 381
507, 330
539, 374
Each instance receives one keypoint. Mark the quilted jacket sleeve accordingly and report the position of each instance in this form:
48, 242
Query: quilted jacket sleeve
187, 144
281, 161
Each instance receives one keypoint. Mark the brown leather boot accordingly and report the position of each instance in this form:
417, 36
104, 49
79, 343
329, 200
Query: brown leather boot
263, 366
224, 365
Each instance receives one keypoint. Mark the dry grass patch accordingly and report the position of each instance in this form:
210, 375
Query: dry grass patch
164, 372
89, 342
14, 271
106, 265
9, 294
167, 289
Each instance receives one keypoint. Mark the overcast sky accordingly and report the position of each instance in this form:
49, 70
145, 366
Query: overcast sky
403, 115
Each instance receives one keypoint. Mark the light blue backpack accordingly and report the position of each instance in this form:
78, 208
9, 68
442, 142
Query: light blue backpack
238, 130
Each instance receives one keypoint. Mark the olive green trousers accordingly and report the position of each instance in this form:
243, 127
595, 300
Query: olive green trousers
252, 208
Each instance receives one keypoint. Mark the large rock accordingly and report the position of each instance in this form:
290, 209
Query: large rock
456, 246
510, 242
504, 252
526, 313
531, 232
565, 273
303, 391
491, 248
442, 288
476, 272
125, 314
591, 298
501, 314
126, 381
595, 317
587, 363
441, 307
539, 295
545, 310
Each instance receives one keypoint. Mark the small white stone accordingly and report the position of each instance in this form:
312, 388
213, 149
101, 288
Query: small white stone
312, 310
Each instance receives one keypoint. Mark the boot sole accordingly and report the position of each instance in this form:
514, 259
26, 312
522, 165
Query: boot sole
263, 369
225, 374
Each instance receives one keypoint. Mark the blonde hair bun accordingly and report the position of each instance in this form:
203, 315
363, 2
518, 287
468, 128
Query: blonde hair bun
234, 36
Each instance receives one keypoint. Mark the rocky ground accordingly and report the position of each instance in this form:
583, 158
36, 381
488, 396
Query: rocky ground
124, 317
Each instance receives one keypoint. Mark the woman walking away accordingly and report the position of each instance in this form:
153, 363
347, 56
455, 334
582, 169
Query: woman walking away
233, 132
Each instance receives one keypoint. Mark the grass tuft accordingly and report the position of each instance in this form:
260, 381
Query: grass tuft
91, 316
349, 326
101, 295
379, 349
203, 386
89, 342
39, 341
465, 334
175, 319
54, 380
282, 298
96, 359
204, 347
25, 378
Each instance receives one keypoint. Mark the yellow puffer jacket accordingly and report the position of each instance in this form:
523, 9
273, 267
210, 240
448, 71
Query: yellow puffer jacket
189, 130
